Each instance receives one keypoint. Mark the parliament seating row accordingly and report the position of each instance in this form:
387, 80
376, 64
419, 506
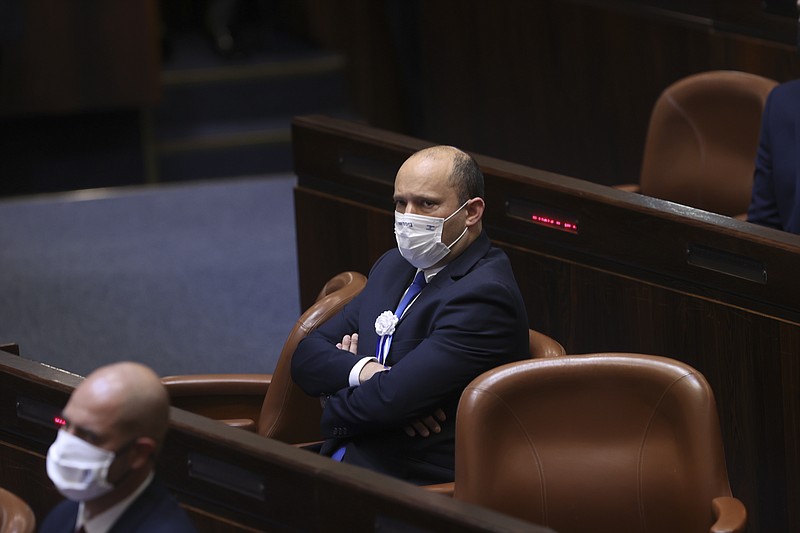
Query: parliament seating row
293, 417
598, 441
488, 436
601, 270
225, 478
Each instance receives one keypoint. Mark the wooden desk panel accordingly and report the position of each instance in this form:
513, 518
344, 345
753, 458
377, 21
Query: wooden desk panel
641, 275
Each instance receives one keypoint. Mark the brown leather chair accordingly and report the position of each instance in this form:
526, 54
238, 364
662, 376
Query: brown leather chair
269, 404
702, 140
542, 345
599, 442
16, 516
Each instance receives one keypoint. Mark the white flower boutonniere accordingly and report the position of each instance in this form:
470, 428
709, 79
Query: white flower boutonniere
385, 323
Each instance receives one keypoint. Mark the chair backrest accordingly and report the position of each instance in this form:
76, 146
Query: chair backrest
702, 140
542, 345
599, 442
15, 515
288, 414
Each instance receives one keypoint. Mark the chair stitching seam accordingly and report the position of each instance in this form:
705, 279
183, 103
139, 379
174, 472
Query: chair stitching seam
531, 447
639, 476
695, 130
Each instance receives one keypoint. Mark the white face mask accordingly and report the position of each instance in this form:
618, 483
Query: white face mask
419, 238
78, 469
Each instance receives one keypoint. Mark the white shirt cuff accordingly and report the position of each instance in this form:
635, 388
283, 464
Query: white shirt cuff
356, 370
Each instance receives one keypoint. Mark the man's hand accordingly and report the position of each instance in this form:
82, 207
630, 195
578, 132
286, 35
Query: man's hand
369, 370
423, 427
349, 343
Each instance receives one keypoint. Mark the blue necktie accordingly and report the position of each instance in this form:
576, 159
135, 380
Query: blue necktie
416, 286
385, 340
413, 290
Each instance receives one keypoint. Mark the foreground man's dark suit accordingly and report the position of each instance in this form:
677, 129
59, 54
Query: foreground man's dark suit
469, 319
155, 510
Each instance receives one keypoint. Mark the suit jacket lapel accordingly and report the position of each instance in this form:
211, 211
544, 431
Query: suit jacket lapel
455, 270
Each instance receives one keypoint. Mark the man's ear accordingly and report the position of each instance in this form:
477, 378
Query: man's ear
144, 450
475, 211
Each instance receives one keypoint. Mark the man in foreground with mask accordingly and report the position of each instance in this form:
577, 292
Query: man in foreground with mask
103, 458
392, 365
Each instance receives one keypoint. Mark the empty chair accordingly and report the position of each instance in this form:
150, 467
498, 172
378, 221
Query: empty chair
16, 516
540, 345
601, 443
702, 140
269, 404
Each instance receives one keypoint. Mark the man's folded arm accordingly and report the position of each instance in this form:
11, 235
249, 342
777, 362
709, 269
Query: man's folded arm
429, 376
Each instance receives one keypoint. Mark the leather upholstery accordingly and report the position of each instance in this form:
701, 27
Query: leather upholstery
289, 414
270, 404
15, 515
702, 140
543, 346
600, 442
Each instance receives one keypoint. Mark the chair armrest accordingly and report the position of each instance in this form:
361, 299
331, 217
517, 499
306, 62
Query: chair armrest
219, 384
314, 446
542, 345
445, 489
220, 396
629, 187
730, 515
246, 424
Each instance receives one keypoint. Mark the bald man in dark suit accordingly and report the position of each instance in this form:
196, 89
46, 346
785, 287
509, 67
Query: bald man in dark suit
103, 458
391, 385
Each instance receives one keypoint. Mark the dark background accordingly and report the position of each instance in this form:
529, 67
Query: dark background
96, 93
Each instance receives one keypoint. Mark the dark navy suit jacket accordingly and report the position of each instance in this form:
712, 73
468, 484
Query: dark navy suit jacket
155, 510
469, 319
776, 195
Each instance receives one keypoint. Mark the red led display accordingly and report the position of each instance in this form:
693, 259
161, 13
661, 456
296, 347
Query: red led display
560, 224
542, 215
